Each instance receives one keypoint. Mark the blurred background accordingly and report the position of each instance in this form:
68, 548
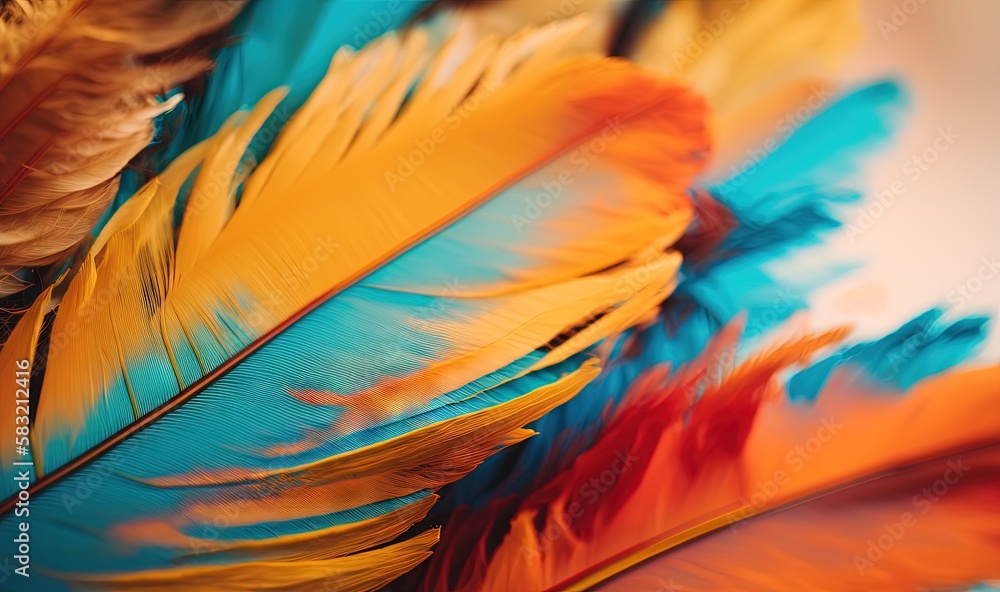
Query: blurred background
938, 240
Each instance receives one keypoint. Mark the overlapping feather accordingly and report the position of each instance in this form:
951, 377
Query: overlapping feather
79, 81
776, 198
302, 328
745, 219
272, 394
685, 456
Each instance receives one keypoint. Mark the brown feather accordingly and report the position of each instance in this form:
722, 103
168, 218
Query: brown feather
79, 81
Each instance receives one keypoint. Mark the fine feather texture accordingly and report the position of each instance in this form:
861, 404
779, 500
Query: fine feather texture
776, 203
681, 465
373, 381
79, 81
214, 307
16, 359
783, 203
363, 571
278, 48
347, 305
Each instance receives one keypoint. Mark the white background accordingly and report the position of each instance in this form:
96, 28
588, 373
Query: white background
935, 235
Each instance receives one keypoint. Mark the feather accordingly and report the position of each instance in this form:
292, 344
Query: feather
788, 205
921, 348
16, 360
79, 82
509, 17
728, 49
776, 204
762, 85
473, 282
302, 330
893, 532
278, 48
671, 470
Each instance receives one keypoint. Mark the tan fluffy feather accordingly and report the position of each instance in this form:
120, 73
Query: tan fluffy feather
79, 81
